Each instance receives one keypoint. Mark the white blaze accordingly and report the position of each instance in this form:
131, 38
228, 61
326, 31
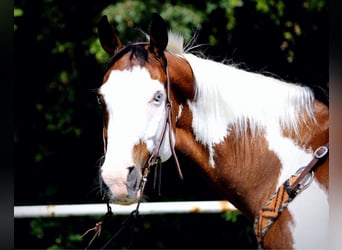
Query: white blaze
135, 114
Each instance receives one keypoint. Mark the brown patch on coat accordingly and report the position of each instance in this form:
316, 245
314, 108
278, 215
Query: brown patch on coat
140, 154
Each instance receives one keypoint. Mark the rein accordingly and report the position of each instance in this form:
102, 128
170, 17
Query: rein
293, 186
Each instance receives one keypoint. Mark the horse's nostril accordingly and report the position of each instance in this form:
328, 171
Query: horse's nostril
132, 178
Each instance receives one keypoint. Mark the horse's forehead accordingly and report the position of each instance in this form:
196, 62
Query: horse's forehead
130, 60
129, 85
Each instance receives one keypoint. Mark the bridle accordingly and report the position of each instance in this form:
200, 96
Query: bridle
154, 159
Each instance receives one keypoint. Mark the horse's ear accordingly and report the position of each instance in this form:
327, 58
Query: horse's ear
158, 34
109, 39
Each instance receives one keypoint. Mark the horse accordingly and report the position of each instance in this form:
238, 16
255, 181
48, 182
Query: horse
262, 142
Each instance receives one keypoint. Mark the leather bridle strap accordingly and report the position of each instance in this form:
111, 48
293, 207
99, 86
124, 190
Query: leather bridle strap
154, 157
169, 120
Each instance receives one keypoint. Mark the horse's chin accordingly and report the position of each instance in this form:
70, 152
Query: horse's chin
124, 202
127, 200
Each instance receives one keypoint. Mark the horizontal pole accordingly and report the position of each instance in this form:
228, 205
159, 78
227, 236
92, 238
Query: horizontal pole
144, 208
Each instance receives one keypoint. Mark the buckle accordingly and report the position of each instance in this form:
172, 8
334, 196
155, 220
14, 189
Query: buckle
306, 181
321, 152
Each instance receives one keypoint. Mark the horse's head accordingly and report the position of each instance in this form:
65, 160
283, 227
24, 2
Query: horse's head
134, 98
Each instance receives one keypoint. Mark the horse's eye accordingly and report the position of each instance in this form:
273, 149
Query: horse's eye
158, 96
99, 99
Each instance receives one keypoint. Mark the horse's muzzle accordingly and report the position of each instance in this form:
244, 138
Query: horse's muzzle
121, 188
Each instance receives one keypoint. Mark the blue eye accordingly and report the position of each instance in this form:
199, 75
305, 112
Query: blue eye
158, 96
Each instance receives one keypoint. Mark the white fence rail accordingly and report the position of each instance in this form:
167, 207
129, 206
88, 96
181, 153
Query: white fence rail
101, 209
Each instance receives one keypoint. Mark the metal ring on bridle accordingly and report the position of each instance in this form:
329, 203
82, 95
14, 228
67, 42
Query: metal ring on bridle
307, 180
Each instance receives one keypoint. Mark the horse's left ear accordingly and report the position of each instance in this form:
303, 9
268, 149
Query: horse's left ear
109, 39
158, 35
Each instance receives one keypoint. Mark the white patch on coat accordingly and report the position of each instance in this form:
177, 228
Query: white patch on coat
310, 212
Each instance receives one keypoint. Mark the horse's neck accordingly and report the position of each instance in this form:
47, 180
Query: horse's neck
227, 127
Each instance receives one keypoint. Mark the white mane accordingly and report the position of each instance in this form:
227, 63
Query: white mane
176, 43
235, 97
230, 97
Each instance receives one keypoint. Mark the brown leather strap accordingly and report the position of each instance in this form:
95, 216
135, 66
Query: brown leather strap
169, 115
318, 155
154, 158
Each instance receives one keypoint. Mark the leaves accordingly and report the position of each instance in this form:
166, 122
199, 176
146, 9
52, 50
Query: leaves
231, 216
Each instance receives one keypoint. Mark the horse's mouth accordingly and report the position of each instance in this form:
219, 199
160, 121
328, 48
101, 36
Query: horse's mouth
127, 196
131, 198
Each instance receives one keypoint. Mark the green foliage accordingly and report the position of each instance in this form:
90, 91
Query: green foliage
290, 23
273, 8
183, 19
57, 233
17, 13
229, 8
95, 49
231, 216
129, 17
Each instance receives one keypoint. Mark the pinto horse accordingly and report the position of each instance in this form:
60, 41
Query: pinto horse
259, 140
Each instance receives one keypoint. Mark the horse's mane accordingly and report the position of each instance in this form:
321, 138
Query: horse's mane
245, 99
176, 43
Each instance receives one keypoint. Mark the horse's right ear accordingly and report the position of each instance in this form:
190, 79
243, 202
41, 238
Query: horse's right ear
158, 35
109, 39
